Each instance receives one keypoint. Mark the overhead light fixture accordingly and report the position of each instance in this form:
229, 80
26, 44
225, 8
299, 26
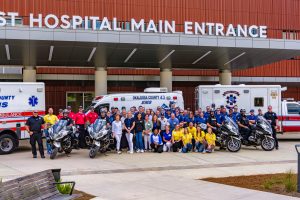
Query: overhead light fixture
7, 52
233, 59
167, 56
91, 54
196, 61
50, 53
130, 55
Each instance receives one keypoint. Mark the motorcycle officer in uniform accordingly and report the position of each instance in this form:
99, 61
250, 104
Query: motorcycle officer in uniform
34, 126
244, 125
66, 117
273, 119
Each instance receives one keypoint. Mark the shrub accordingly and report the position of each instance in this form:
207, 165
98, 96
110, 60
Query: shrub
290, 182
64, 188
268, 184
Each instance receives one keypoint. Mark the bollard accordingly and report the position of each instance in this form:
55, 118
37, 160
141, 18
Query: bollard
297, 147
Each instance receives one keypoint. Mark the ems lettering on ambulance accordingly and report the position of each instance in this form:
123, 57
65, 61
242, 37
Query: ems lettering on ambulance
4, 100
231, 98
147, 99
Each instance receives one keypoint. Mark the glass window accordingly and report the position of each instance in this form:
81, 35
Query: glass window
293, 108
76, 99
259, 102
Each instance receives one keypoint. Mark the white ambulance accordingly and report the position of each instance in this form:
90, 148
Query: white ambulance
251, 97
17, 102
151, 98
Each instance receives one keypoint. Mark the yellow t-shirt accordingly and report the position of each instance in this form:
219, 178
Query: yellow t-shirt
182, 130
187, 138
210, 138
50, 119
199, 137
177, 135
192, 131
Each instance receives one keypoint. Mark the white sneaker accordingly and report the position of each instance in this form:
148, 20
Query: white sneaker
128, 151
180, 150
138, 151
131, 152
119, 152
142, 151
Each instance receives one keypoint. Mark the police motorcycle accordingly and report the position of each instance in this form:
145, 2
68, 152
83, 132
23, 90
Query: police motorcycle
100, 137
261, 135
228, 136
62, 138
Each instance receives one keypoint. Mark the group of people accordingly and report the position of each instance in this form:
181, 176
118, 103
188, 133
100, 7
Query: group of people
140, 129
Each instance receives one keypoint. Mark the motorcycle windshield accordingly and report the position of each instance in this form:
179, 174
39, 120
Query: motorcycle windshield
98, 125
232, 126
59, 125
264, 124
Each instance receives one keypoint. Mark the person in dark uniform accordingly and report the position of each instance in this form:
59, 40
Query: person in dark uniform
273, 119
244, 125
212, 122
34, 126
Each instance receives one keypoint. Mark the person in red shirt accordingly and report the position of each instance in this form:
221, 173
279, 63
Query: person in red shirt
71, 114
80, 120
60, 114
91, 116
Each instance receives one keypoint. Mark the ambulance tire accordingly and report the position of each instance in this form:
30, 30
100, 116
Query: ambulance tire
7, 144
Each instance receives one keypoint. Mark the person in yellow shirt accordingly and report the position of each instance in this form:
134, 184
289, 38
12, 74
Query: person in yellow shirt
192, 130
210, 138
200, 141
187, 141
50, 119
181, 127
177, 139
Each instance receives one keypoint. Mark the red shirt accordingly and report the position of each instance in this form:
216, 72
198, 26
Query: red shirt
72, 115
80, 118
91, 117
59, 116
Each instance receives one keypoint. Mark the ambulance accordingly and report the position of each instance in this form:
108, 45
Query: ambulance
251, 97
17, 102
151, 98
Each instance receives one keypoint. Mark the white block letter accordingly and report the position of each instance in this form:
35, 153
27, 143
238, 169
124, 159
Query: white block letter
77, 21
65, 22
13, 16
105, 24
263, 31
138, 26
188, 26
35, 20
54, 17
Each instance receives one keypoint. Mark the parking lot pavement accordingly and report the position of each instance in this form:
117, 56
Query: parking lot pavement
129, 176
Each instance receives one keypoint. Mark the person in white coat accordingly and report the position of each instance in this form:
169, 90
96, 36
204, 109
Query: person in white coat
117, 131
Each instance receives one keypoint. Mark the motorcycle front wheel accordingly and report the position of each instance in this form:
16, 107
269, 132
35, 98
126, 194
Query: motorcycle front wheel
53, 153
93, 152
268, 144
68, 151
234, 144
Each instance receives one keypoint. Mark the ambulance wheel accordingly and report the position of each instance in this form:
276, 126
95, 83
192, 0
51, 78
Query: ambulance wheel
7, 144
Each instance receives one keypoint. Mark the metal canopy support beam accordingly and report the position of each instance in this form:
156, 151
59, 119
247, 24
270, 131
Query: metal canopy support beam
100, 81
225, 77
166, 78
29, 74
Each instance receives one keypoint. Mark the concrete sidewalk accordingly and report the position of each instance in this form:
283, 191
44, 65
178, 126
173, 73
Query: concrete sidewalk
158, 176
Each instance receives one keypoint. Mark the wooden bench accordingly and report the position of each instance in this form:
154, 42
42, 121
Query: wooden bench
41, 185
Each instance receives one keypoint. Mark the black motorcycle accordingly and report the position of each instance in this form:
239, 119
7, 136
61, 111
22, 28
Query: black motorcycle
62, 138
100, 137
261, 135
228, 136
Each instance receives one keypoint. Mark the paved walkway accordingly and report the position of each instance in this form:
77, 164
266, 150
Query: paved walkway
158, 176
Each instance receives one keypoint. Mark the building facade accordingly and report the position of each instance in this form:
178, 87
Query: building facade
71, 81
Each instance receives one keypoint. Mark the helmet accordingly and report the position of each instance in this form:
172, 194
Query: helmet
65, 111
103, 111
